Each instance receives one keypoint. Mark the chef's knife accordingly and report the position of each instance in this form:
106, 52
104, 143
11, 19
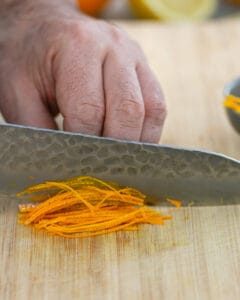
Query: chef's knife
29, 156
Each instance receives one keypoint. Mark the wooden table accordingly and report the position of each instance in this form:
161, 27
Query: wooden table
197, 255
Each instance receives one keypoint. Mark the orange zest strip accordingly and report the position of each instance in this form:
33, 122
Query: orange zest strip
86, 206
174, 202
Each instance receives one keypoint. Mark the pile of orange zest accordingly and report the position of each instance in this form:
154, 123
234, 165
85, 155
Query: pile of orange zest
174, 202
86, 206
233, 103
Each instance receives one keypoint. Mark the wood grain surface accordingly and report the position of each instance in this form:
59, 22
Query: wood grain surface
195, 256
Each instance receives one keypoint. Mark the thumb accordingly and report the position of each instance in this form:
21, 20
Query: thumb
21, 104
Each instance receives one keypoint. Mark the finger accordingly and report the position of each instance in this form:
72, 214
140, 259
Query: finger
155, 107
21, 104
124, 102
79, 91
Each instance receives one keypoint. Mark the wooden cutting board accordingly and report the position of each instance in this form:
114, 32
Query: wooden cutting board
197, 255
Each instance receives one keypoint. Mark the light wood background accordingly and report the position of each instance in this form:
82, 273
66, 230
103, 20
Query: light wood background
195, 256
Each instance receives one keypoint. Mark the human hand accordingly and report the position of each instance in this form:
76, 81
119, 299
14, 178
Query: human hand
54, 59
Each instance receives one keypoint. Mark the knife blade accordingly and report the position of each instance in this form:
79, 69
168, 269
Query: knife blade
29, 155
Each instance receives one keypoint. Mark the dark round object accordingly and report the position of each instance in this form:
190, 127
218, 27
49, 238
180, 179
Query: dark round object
233, 88
234, 119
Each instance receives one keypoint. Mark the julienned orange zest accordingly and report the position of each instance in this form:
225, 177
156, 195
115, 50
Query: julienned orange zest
86, 206
174, 202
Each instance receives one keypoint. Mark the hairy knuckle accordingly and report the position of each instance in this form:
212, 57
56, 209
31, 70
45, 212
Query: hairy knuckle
157, 111
118, 36
161, 108
130, 109
77, 124
89, 113
78, 31
124, 44
93, 110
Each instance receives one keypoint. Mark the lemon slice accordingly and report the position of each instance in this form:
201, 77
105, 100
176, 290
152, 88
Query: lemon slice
174, 10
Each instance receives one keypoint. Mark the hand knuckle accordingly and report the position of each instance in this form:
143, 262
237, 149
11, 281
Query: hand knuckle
76, 123
157, 110
87, 112
117, 34
92, 111
131, 108
78, 31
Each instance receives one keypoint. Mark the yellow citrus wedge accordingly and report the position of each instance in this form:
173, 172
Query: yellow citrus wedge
174, 10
